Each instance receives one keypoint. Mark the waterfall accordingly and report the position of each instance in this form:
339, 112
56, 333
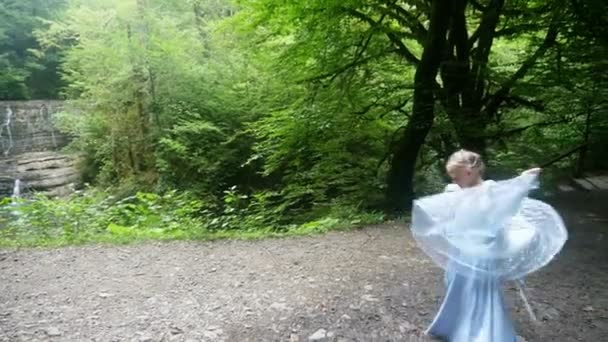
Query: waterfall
17, 189
30, 149
7, 125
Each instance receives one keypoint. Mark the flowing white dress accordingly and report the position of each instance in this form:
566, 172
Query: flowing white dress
483, 236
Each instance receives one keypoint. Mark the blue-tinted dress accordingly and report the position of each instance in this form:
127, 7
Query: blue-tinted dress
482, 237
473, 310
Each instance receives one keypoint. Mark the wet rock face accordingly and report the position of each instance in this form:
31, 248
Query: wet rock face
30, 148
27, 126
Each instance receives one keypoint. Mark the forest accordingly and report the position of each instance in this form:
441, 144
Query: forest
251, 118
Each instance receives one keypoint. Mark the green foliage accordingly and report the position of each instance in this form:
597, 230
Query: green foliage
319, 157
325, 134
27, 73
155, 98
282, 117
198, 155
559, 96
95, 216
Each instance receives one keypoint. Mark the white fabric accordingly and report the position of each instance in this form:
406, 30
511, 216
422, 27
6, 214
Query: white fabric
493, 224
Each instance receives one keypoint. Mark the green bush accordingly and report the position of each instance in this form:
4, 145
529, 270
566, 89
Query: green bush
96, 216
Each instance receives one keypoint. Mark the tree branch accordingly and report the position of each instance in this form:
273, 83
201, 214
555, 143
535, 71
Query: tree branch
391, 144
423, 5
367, 108
536, 105
396, 107
487, 27
360, 50
509, 31
406, 19
518, 130
402, 50
476, 5
494, 101
333, 74
474, 38
369, 38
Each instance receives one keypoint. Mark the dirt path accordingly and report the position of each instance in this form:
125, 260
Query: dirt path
366, 285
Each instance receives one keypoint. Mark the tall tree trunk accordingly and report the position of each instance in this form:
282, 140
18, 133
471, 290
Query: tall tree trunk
400, 192
464, 73
468, 103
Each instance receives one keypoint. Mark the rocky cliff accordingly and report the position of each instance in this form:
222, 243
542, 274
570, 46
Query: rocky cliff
30, 147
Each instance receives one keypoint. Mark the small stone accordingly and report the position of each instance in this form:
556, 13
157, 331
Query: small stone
105, 295
145, 338
588, 308
294, 338
565, 188
278, 306
212, 335
548, 313
318, 335
406, 327
176, 331
53, 332
368, 287
369, 298
345, 317
330, 334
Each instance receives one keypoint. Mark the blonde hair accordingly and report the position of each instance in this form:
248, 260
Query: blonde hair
464, 158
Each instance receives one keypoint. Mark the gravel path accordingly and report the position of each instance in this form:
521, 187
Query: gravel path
371, 284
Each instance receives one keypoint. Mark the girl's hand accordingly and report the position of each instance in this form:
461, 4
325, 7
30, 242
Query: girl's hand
535, 171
